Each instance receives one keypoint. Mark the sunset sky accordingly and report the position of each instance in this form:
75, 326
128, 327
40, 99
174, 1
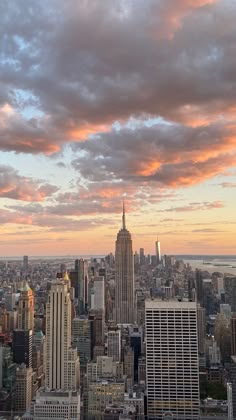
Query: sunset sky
105, 100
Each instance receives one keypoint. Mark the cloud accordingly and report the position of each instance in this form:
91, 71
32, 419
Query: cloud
171, 220
27, 136
61, 80
170, 155
17, 187
228, 184
195, 207
207, 230
145, 111
52, 223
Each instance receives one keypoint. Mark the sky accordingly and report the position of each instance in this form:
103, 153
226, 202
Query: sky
105, 100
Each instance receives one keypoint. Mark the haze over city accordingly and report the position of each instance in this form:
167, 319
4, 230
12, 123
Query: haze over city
102, 101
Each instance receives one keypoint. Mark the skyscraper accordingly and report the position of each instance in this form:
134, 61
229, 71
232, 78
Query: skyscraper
233, 334
98, 311
59, 357
98, 297
172, 360
201, 330
25, 262
158, 251
24, 377
81, 267
141, 256
22, 345
124, 312
114, 345
26, 308
82, 338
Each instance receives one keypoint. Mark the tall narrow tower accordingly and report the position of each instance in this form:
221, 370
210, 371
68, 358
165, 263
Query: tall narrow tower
82, 269
124, 312
62, 363
158, 251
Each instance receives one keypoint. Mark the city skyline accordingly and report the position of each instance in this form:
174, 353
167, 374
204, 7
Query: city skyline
103, 101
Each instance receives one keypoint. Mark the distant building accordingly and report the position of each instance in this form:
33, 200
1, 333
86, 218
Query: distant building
141, 256
7, 369
24, 377
10, 301
233, 334
136, 344
122, 411
98, 299
158, 251
233, 383
82, 268
55, 405
114, 344
201, 328
103, 393
142, 369
26, 308
98, 328
230, 291
129, 366
82, 338
22, 346
25, 262
40, 344
104, 368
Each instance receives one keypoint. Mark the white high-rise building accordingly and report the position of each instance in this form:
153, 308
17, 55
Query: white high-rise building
124, 277
62, 362
158, 251
172, 360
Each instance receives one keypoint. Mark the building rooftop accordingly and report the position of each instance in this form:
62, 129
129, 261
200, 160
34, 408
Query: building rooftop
169, 304
25, 287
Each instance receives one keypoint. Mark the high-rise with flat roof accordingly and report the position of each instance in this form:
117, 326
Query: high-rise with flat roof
55, 404
24, 377
124, 312
60, 374
172, 360
25, 262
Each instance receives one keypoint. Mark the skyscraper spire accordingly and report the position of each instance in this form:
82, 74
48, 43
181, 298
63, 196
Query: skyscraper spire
123, 216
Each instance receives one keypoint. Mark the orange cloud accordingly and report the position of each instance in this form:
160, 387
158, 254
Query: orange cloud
170, 14
17, 187
83, 132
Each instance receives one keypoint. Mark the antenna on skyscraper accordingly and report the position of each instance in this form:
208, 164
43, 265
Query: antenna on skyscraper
123, 216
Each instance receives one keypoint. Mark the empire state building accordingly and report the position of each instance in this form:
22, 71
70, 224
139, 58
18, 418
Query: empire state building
124, 311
